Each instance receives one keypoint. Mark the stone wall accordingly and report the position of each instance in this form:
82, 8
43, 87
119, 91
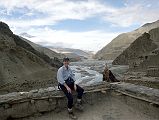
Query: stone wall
23, 104
153, 72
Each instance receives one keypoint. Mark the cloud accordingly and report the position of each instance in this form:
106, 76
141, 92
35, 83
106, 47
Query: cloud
90, 40
53, 11
56, 44
33, 16
134, 12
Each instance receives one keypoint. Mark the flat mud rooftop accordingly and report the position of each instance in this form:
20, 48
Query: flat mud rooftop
101, 102
107, 106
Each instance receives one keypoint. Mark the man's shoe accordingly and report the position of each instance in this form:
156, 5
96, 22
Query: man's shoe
79, 106
72, 115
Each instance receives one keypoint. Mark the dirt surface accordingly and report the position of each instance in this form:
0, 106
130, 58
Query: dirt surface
107, 107
140, 78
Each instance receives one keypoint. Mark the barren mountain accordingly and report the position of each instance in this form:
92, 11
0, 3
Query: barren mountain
143, 53
21, 66
74, 54
52, 54
122, 41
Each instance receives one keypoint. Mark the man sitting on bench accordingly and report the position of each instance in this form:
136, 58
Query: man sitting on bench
66, 82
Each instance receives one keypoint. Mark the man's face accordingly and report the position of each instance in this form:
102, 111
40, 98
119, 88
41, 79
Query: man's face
66, 63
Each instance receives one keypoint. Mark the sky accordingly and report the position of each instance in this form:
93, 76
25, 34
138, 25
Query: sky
80, 24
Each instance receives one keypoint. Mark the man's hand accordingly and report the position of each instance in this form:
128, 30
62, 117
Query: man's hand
75, 87
68, 89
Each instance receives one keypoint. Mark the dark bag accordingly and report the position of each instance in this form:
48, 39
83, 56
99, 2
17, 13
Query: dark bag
69, 81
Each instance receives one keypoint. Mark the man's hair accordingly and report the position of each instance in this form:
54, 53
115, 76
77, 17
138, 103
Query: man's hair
66, 59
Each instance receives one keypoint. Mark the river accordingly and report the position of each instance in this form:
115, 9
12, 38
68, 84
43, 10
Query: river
90, 71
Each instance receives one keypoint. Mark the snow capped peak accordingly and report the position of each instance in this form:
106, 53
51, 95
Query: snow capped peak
26, 35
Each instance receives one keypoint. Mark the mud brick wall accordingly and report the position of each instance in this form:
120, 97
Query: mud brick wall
154, 72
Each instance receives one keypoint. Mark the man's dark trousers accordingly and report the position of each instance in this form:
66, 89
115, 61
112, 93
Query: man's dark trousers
69, 95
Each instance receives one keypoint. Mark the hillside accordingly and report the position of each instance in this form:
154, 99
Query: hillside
74, 54
21, 66
52, 54
142, 54
122, 41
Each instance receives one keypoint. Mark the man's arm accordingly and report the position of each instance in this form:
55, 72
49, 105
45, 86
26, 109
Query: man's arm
60, 76
61, 80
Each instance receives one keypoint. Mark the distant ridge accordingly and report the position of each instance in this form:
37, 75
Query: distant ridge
122, 41
24, 34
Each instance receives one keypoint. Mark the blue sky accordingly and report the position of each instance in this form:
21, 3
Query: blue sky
80, 24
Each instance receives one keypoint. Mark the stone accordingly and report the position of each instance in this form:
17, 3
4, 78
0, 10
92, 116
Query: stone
21, 110
153, 72
44, 105
7, 106
3, 114
103, 91
32, 101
